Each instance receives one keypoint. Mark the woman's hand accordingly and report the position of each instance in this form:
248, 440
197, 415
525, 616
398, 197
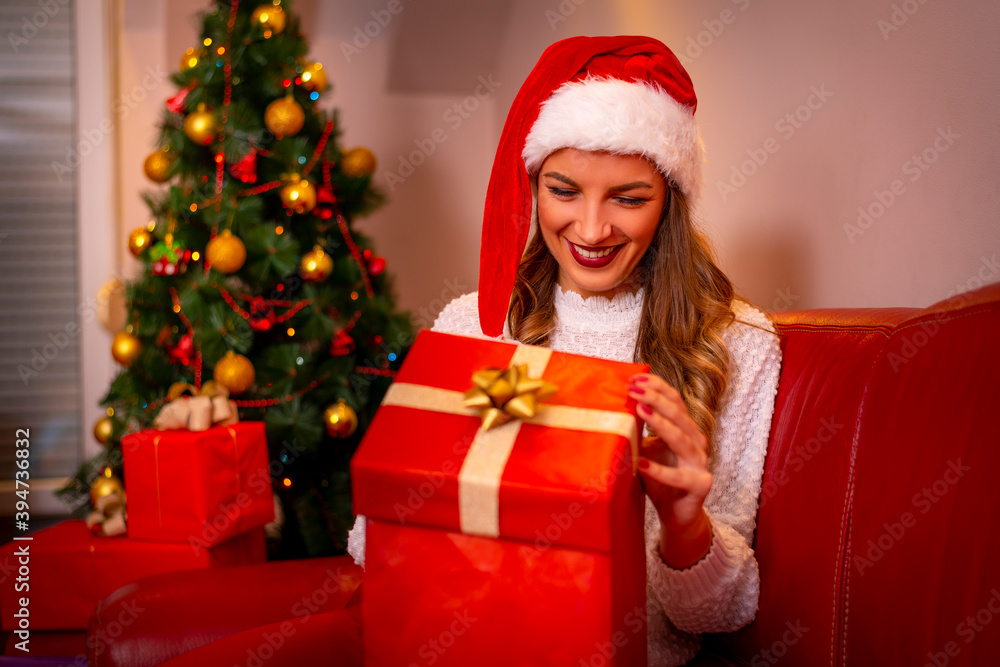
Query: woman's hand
674, 470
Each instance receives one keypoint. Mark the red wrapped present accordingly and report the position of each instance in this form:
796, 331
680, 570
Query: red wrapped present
515, 545
67, 571
197, 487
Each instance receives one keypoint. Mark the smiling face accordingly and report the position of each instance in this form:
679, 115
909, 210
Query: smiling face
598, 213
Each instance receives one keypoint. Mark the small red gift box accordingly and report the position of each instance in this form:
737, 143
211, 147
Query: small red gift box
522, 544
67, 570
201, 487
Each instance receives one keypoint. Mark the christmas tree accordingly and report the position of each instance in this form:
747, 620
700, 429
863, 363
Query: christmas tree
254, 277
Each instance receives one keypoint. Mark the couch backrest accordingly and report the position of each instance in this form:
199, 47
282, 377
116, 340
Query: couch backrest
873, 406
921, 581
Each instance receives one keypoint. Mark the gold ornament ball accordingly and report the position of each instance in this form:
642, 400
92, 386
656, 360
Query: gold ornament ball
284, 117
316, 266
191, 58
234, 372
314, 77
157, 166
106, 484
299, 196
125, 348
271, 18
340, 419
358, 162
139, 241
226, 253
201, 126
103, 428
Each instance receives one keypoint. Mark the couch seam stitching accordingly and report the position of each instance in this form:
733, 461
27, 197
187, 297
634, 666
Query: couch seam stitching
885, 330
845, 535
888, 329
951, 316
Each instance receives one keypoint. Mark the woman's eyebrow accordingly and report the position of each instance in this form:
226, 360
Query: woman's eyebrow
630, 186
615, 188
559, 177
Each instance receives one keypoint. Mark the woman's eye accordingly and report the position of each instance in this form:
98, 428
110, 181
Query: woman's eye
630, 201
560, 192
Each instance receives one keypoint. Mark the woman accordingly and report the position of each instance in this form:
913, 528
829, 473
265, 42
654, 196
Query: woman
601, 152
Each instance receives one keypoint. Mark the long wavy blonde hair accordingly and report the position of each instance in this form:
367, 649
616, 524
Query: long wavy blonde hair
687, 303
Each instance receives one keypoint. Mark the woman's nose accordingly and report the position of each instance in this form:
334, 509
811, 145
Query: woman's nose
593, 225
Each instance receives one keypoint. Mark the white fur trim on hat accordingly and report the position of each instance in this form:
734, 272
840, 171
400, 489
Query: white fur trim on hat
624, 118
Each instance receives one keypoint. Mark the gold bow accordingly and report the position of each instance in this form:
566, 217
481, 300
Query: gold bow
502, 395
196, 410
109, 517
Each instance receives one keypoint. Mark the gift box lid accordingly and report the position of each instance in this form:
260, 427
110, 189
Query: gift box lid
566, 478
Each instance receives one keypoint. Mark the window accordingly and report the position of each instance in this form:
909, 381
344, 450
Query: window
54, 359
39, 325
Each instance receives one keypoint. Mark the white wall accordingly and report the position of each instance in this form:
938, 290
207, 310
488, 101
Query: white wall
781, 233
96, 203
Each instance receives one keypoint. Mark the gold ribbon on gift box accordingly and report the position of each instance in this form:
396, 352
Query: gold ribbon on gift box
197, 410
108, 518
504, 400
503, 395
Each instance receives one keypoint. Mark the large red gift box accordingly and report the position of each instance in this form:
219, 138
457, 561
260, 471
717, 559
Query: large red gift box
198, 487
68, 570
520, 545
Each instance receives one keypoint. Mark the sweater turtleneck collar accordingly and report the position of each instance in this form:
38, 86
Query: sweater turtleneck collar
598, 313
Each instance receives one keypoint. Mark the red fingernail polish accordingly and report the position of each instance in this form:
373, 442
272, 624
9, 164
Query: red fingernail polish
638, 378
636, 390
643, 464
645, 408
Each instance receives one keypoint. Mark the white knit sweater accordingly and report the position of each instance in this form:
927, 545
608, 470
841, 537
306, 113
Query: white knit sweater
720, 592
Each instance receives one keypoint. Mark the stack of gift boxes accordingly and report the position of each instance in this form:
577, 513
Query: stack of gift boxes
504, 519
195, 499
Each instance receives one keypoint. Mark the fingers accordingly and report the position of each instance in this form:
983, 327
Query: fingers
695, 482
687, 450
666, 400
655, 449
662, 408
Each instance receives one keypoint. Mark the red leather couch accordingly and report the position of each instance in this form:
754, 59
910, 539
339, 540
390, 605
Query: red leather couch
878, 536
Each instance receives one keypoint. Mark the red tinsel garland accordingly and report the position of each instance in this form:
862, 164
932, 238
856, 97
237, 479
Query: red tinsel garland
319, 148
246, 315
356, 254
190, 329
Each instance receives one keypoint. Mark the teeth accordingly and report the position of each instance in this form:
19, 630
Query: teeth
589, 254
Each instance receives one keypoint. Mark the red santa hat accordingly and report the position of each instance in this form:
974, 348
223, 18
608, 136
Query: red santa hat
624, 95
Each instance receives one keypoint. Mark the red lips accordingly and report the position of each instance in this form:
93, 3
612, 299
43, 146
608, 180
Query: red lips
593, 262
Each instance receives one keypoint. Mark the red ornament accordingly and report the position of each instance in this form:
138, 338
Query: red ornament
246, 168
169, 259
176, 103
326, 204
376, 265
342, 344
183, 352
262, 316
